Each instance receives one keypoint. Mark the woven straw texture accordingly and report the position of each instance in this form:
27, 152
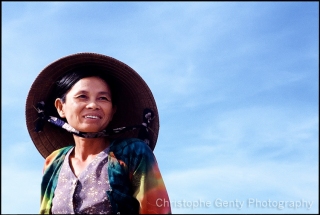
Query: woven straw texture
134, 96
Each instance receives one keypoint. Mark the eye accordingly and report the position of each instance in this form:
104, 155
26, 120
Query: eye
82, 96
104, 98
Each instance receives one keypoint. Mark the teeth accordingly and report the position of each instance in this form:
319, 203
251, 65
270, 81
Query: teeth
92, 117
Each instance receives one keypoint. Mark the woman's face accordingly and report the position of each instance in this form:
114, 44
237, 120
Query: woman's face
88, 106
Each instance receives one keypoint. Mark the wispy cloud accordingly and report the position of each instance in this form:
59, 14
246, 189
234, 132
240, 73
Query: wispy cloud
243, 181
236, 85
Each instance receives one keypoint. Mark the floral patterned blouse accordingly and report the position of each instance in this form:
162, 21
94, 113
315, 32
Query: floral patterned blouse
133, 174
82, 194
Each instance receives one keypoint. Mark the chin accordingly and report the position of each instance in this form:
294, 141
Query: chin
90, 129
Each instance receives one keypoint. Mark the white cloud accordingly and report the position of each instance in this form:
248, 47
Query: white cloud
268, 124
242, 181
230, 82
256, 152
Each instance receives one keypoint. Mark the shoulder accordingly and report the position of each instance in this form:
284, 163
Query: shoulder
56, 155
130, 144
133, 154
131, 148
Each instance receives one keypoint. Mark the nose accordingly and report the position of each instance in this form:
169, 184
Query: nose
93, 105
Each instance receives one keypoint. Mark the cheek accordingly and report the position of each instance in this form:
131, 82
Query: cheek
70, 110
109, 112
112, 111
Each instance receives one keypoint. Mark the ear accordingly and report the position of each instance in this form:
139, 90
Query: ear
59, 106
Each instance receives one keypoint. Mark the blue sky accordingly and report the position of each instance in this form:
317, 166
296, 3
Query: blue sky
236, 85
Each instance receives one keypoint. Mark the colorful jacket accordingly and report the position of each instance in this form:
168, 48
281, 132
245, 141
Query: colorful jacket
134, 176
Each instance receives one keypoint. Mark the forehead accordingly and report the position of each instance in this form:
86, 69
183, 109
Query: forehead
91, 81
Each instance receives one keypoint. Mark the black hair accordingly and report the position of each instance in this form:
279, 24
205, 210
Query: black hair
66, 82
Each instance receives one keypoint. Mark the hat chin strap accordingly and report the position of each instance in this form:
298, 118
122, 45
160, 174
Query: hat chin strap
148, 116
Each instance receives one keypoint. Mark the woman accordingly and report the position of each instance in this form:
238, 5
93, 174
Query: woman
98, 144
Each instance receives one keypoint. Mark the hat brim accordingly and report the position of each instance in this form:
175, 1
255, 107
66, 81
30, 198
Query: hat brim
134, 96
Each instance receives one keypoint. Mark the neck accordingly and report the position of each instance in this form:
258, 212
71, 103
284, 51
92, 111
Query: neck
89, 147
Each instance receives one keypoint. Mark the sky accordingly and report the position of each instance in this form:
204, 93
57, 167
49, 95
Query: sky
236, 86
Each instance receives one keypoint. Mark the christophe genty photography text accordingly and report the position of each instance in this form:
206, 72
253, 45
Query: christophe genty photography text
237, 204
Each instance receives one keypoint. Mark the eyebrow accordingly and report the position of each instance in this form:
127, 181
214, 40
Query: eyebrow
101, 92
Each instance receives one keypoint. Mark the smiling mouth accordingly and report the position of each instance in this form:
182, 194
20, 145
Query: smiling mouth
92, 117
